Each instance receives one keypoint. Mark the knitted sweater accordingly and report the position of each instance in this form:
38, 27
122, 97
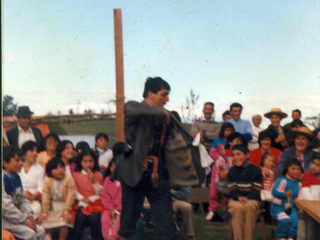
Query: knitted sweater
68, 193
310, 186
281, 186
245, 182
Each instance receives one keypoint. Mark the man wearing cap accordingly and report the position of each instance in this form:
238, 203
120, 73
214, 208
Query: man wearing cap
24, 131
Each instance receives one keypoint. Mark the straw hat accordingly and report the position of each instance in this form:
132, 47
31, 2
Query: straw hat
276, 111
305, 131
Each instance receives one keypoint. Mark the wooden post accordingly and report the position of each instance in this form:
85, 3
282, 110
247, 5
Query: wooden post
119, 75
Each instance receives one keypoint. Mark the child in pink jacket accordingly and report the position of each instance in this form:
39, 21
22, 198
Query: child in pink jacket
111, 199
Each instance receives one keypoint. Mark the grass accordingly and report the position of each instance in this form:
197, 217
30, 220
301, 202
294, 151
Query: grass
90, 128
207, 230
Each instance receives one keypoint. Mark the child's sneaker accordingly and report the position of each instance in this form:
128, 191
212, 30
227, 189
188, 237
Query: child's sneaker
209, 216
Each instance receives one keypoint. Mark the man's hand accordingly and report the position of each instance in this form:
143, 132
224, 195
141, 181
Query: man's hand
41, 218
86, 200
243, 200
66, 218
32, 223
288, 194
91, 175
223, 174
30, 196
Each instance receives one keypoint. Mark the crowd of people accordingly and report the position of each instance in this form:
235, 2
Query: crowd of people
53, 189
254, 167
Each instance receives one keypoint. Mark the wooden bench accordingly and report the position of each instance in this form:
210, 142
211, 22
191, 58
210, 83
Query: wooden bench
200, 196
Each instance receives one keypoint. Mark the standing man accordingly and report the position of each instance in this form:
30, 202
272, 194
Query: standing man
145, 173
241, 126
256, 129
296, 114
24, 131
208, 128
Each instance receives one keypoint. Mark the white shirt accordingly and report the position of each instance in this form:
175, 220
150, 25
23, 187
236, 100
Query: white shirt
105, 157
25, 136
33, 179
253, 143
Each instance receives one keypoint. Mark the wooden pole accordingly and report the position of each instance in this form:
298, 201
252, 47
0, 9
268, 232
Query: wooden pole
119, 75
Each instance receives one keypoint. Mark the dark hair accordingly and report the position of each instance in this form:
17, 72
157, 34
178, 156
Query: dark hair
108, 170
241, 147
209, 103
53, 164
316, 155
264, 157
288, 163
51, 135
296, 122
234, 136
62, 146
100, 135
224, 127
226, 113
315, 140
9, 152
154, 85
234, 105
29, 146
267, 134
87, 152
297, 110
81, 146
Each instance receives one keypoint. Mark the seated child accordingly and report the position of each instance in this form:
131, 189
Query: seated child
267, 168
226, 129
17, 215
105, 154
311, 180
244, 185
88, 181
58, 198
111, 199
311, 190
31, 175
285, 191
218, 188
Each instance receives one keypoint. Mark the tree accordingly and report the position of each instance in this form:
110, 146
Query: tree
313, 121
9, 108
71, 111
188, 114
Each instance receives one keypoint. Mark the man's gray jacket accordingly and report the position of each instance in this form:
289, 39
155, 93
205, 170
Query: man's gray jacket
181, 158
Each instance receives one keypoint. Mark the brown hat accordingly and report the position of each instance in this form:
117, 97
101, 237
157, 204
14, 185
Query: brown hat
24, 111
276, 111
305, 131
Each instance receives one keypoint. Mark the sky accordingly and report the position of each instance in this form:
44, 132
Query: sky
58, 55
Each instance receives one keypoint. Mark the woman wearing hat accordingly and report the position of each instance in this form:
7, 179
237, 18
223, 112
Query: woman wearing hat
275, 116
302, 150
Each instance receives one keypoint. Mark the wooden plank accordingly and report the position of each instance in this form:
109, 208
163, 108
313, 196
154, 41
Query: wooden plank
119, 75
312, 208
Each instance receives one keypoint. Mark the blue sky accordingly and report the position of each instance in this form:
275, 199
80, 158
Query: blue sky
59, 55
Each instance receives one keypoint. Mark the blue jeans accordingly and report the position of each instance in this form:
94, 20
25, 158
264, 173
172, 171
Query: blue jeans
159, 199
